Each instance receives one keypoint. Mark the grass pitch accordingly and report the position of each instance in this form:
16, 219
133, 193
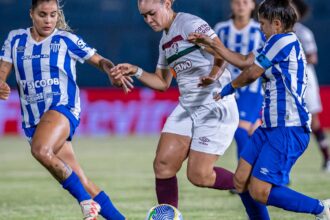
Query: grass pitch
123, 168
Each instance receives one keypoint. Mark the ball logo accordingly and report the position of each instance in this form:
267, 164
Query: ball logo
182, 66
81, 44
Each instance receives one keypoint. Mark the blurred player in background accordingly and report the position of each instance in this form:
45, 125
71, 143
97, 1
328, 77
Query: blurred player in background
242, 34
265, 165
313, 100
200, 128
44, 58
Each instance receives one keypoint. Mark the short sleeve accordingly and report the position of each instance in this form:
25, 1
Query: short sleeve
276, 49
198, 25
79, 49
162, 62
6, 50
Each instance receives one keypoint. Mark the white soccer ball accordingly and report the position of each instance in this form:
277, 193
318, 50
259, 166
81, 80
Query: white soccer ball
164, 212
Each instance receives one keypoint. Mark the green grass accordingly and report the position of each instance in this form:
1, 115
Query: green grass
123, 168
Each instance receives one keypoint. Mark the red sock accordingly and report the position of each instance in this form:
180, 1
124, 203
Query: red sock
224, 179
167, 191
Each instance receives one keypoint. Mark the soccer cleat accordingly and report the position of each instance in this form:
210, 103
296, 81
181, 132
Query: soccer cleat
90, 209
325, 215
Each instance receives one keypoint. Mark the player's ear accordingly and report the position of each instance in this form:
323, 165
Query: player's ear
168, 4
278, 24
31, 13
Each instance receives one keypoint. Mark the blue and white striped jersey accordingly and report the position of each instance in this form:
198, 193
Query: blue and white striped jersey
45, 71
284, 81
243, 41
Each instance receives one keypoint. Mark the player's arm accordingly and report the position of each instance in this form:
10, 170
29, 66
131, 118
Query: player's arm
218, 68
248, 75
5, 70
105, 66
160, 80
216, 47
312, 58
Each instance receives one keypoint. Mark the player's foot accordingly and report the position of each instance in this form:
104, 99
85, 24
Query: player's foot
90, 209
326, 166
325, 215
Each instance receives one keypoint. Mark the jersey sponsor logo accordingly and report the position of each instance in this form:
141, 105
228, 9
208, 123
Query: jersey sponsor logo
37, 56
19, 49
39, 83
40, 97
182, 66
204, 28
55, 47
81, 44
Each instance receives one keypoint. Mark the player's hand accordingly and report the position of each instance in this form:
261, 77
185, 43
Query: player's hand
205, 81
4, 90
216, 96
124, 69
200, 39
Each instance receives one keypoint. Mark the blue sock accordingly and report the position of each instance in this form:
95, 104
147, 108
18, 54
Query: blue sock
108, 210
254, 209
74, 186
241, 138
288, 199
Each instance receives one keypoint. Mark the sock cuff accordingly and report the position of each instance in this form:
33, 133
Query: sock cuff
168, 180
101, 198
71, 179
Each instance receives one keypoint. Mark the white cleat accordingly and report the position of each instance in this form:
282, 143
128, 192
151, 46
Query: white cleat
90, 209
325, 215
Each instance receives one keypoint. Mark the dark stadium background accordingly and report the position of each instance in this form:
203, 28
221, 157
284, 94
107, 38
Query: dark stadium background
117, 31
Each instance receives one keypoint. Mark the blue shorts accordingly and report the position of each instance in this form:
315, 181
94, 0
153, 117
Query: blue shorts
249, 104
273, 152
29, 132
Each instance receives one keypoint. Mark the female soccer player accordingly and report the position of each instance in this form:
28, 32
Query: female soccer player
44, 58
242, 34
313, 100
199, 128
265, 165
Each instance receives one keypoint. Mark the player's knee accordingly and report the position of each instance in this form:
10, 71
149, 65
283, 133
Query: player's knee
259, 194
239, 183
163, 169
41, 153
198, 178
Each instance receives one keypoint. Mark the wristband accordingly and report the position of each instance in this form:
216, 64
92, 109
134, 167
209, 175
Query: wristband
138, 73
227, 90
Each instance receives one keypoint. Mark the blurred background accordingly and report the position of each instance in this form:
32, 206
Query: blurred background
116, 29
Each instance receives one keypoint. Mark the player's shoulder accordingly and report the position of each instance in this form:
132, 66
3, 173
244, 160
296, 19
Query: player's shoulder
222, 24
17, 32
67, 34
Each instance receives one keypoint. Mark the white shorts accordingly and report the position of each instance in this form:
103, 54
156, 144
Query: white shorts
312, 97
211, 126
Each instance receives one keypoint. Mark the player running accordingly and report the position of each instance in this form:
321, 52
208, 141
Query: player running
44, 57
265, 165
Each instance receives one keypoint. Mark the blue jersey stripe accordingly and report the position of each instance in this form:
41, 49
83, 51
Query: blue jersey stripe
281, 95
54, 71
225, 34
74, 48
267, 107
252, 39
21, 71
71, 82
301, 70
37, 75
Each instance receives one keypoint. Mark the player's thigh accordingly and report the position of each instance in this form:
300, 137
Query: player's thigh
172, 150
200, 164
51, 132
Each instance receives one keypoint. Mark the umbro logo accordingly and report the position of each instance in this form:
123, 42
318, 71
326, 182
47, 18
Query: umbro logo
204, 140
264, 171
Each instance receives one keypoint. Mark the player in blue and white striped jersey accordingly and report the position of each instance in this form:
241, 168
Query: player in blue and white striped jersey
44, 58
242, 34
265, 165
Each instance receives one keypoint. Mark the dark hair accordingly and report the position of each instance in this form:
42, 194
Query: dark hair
253, 12
61, 23
278, 9
302, 8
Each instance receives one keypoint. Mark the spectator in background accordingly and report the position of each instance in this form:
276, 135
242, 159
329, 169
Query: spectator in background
44, 58
313, 100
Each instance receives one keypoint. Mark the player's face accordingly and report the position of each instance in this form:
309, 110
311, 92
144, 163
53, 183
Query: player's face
155, 14
44, 18
267, 27
242, 8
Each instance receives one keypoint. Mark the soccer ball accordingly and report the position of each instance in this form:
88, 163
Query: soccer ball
164, 212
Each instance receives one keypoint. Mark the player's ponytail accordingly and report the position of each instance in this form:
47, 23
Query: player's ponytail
61, 23
279, 9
